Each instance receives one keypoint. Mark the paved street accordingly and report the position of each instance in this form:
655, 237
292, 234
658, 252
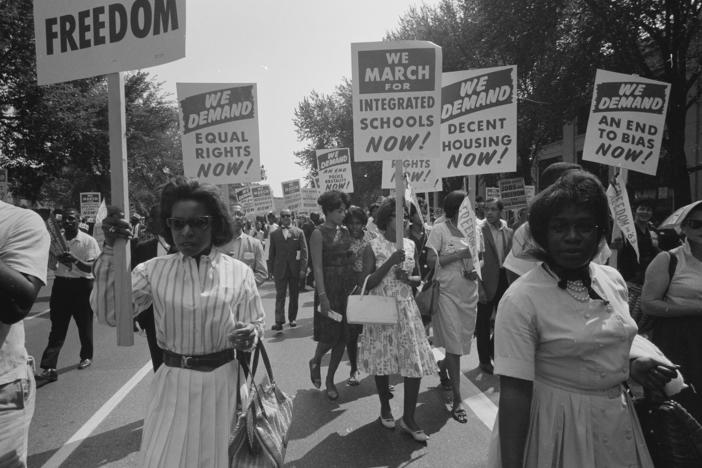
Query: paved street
94, 417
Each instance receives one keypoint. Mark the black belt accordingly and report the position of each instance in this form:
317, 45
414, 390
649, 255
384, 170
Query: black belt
202, 363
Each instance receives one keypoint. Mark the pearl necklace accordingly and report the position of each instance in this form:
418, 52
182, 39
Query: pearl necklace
577, 290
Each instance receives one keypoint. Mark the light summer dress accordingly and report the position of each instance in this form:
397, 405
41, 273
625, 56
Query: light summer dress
402, 348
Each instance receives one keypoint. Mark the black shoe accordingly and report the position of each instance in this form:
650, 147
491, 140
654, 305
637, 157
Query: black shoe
293, 324
49, 375
277, 328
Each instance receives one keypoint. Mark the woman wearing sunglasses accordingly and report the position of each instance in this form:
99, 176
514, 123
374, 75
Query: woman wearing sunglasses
206, 304
676, 300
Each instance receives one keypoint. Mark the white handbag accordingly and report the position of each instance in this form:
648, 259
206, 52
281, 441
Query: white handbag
371, 309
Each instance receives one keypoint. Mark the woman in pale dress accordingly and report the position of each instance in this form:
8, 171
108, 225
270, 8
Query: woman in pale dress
206, 304
402, 348
454, 322
563, 345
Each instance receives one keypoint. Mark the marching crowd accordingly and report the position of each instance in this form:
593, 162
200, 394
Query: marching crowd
550, 317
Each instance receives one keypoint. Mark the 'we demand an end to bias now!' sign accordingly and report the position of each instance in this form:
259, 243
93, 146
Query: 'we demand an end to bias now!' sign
396, 100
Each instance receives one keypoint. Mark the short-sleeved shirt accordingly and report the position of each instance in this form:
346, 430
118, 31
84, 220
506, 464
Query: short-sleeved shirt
24, 246
542, 333
86, 249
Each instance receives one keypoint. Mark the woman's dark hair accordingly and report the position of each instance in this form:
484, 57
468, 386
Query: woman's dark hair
575, 188
355, 213
181, 189
332, 200
385, 212
554, 171
452, 203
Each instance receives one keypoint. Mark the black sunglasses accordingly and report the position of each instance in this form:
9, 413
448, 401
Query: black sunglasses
178, 224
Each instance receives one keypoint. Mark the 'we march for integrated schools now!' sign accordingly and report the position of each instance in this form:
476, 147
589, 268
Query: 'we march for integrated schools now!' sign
83, 38
396, 100
626, 123
479, 121
219, 132
334, 169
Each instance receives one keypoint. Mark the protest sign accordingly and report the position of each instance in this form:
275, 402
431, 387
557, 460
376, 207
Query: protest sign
626, 123
89, 205
530, 192
396, 98
219, 132
421, 173
512, 193
620, 208
291, 194
334, 169
245, 198
492, 192
468, 225
479, 121
83, 38
309, 201
262, 199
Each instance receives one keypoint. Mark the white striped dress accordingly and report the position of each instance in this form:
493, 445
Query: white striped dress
188, 419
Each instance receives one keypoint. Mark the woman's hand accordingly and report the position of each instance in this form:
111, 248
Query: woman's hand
397, 257
114, 228
652, 373
243, 337
324, 306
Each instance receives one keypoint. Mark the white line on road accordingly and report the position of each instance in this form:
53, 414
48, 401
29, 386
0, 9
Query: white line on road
38, 314
480, 404
67, 449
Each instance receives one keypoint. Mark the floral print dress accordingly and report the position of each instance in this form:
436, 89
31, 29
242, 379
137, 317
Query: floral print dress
402, 348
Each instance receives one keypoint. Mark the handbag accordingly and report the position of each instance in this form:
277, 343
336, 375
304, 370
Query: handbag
428, 298
371, 309
259, 434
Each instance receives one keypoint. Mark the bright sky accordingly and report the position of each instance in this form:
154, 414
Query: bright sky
288, 48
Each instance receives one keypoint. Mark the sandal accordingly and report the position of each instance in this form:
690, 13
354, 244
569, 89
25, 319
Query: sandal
353, 380
459, 414
315, 375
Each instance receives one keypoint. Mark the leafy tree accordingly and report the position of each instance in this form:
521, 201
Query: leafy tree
325, 121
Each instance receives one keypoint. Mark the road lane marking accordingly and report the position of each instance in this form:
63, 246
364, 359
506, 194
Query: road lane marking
477, 401
100, 415
38, 314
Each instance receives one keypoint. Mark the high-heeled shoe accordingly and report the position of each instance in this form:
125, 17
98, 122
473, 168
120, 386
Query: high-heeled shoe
418, 435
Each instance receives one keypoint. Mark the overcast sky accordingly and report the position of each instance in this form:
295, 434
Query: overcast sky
287, 47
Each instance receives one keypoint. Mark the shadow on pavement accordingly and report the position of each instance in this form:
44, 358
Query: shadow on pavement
303, 330
98, 450
312, 410
485, 382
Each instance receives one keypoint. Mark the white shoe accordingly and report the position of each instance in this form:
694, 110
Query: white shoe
418, 435
388, 423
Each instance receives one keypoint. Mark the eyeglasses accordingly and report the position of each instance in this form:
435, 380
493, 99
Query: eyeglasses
239, 214
694, 223
178, 224
582, 228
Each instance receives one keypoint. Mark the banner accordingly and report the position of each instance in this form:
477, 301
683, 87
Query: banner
334, 169
89, 205
620, 208
83, 38
513, 193
309, 201
396, 98
291, 194
418, 172
262, 199
626, 123
468, 225
219, 132
479, 121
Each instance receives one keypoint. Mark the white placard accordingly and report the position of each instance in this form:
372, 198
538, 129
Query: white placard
513, 193
83, 38
309, 201
262, 199
396, 100
292, 198
627, 119
219, 132
334, 169
421, 174
89, 205
479, 121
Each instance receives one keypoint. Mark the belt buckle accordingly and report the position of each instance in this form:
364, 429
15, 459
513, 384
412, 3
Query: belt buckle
185, 362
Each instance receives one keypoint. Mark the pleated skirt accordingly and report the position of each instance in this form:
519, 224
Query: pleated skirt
189, 417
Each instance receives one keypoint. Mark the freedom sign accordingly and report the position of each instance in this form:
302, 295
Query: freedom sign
83, 38
334, 169
479, 121
396, 97
291, 194
219, 132
421, 174
626, 123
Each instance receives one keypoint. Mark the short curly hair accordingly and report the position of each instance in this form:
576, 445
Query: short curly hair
386, 211
208, 195
355, 213
332, 200
577, 188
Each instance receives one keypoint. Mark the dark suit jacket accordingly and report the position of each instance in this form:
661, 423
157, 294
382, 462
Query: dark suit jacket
491, 265
283, 253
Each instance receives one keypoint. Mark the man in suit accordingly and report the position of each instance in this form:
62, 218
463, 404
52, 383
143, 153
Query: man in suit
288, 258
498, 242
141, 252
246, 248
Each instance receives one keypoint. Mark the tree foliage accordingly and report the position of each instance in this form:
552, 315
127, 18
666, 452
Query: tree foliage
325, 121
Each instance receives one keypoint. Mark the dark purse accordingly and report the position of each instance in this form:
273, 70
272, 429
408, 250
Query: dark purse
428, 298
